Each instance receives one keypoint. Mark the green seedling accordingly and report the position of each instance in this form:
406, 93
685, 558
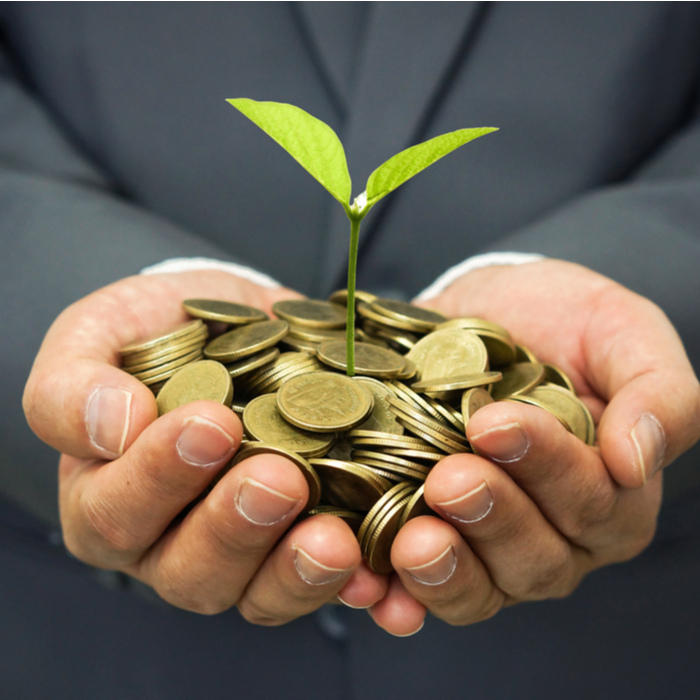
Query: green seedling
317, 148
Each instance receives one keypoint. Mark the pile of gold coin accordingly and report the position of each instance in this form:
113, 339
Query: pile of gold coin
365, 444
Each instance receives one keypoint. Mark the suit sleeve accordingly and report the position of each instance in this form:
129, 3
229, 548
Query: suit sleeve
65, 231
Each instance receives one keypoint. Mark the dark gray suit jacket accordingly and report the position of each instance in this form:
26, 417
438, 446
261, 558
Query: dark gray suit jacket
117, 150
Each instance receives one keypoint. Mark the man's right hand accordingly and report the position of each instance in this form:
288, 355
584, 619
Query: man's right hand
125, 475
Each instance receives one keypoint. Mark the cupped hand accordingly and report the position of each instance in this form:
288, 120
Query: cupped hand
126, 476
536, 509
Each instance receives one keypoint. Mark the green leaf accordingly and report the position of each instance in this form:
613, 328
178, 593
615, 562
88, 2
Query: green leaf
313, 144
403, 166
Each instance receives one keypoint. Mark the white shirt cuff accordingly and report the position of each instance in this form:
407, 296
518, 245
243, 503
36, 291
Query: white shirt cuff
474, 263
192, 264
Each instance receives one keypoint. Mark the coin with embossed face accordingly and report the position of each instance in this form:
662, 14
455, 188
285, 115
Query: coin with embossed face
223, 311
263, 422
246, 340
447, 353
311, 313
370, 360
205, 380
324, 402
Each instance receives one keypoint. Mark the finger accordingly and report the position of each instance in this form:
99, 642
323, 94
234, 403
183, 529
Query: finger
566, 479
638, 363
524, 554
112, 512
363, 589
307, 569
76, 398
439, 570
205, 563
398, 613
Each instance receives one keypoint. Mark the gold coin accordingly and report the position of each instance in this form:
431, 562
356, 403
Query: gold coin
402, 409
472, 401
449, 414
263, 422
134, 368
369, 359
284, 361
381, 418
447, 353
246, 340
161, 353
520, 378
324, 402
173, 364
427, 455
422, 319
567, 404
273, 385
351, 517
432, 436
251, 449
199, 381
238, 406
415, 507
554, 410
409, 370
170, 335
556, 375
349, 485
311, 313
369, 314
361, 437
390, 461
389, 499
248, 364
472, 323
364, 337
499, 344
268, 376
162, 377
381, 539
401, 341
418, 402
314, 335
523, 354
299, 345
341, 297
223, 311
456, 383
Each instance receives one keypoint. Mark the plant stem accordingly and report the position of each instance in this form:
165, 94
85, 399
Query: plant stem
352, 272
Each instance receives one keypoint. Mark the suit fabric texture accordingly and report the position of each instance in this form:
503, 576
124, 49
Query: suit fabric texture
117, 150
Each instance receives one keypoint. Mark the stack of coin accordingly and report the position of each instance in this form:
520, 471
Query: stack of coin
364, 444
156, 358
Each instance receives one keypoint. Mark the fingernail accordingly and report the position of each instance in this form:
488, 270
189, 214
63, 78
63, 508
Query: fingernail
108, 417
409, 634
506, 443
262, 505
313, 572
650, 443
354, 607
203, 443
471, 507
436, 571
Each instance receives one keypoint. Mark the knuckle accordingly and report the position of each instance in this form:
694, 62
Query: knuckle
596, 509
176, 588
253, 613
555, 578
104, 527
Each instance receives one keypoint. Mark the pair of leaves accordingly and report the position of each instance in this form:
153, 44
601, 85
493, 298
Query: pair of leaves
317, 148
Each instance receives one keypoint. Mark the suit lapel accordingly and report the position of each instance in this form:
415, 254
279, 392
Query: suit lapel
409, 49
